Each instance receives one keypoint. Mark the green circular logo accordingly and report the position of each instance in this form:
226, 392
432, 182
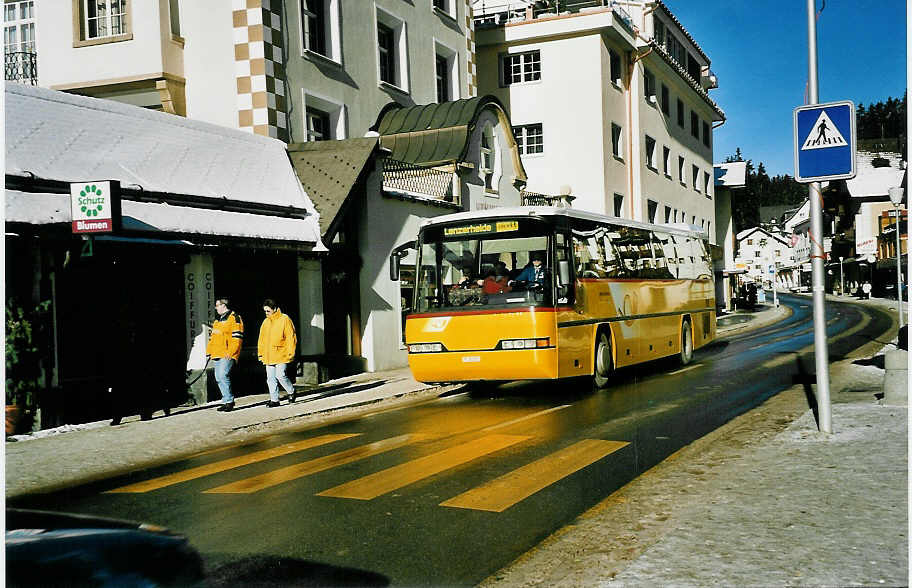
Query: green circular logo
91, 209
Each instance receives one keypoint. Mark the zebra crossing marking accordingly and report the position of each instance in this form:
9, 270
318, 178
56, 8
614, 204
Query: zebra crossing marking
228, 464
390, 479
501, 493
300, 470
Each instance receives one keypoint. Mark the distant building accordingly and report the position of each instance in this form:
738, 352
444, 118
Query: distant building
730, 179
609, 99
759, 251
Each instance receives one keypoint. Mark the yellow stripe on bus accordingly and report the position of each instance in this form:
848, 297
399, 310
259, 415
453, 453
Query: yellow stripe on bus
300, 470
374, 485
228, 464
500, 494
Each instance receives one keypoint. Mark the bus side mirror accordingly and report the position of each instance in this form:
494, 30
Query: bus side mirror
396, 255
394, 267
563, 272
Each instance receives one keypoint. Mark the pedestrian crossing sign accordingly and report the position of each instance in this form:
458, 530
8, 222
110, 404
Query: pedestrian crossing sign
825, 141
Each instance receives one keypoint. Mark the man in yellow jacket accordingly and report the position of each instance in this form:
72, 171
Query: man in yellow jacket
276, 348
225, 348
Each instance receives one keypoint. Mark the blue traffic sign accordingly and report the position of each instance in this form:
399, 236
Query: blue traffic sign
825, 141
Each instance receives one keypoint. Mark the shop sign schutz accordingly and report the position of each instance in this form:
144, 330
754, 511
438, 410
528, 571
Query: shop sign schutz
95, 206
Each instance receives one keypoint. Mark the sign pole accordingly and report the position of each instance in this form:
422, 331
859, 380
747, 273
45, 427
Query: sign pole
821, 353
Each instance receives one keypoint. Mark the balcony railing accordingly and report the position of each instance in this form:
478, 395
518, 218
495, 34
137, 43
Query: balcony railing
431, 183
21, 66
500, 12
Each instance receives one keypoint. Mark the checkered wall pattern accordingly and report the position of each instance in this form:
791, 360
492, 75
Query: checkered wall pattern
258, 58
470, 46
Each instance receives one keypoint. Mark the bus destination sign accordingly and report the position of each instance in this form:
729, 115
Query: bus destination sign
480, 228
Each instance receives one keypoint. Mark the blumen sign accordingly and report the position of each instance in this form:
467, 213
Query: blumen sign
95, 206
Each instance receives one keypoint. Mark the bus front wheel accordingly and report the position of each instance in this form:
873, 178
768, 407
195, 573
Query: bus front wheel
686, 343
602, 368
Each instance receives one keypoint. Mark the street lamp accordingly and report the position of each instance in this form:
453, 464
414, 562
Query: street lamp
896, 195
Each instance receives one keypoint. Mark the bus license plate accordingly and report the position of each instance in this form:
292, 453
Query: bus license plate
471, 359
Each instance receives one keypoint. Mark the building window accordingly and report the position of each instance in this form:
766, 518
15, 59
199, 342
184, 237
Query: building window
651, 208
750, 241
391, 50
649, 85
618, 204
519, 68
174, 11
706, 134
667, 214
18, 27
694, 125
659, 34
320, 28
488, 158
317, 125
616, 146
313, 18
706, 185
666, 100
445, 70
529, 139
447, 7
666, 161
650, 153
614, 63
387, 48
681, 170
107, 20
756, 253
323, 120
695, 177
443, 79
680, 113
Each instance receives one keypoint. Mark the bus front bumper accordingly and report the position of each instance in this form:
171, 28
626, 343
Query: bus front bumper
473, 366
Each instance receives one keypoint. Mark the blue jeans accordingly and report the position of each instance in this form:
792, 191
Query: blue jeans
223, 367
275, 375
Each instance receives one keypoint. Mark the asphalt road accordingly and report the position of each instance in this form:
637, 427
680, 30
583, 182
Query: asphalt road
448, 492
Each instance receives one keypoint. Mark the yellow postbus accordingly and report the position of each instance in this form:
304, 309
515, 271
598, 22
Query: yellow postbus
606, 293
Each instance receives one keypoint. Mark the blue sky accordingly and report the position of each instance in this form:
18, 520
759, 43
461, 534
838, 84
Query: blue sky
759, 52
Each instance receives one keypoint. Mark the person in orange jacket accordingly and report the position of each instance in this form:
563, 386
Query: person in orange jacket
276, 348
225, 348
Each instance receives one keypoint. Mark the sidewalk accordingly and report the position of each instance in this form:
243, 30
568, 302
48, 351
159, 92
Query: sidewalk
76, 454
763, 500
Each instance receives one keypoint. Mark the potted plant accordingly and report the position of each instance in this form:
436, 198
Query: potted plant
24, 337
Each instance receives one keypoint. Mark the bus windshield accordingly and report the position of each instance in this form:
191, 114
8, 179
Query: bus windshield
488, 264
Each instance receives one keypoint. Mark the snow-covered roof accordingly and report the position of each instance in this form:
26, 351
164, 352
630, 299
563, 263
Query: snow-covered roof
875, 181
731, 175
63, 137
748, 232
153, 217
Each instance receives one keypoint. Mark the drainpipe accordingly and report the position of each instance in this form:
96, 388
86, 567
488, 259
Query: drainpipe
635, 214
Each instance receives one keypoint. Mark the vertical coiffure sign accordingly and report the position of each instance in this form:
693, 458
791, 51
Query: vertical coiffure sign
95, 206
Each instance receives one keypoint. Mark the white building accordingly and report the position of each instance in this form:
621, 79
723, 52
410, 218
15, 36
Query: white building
609, 99
290, 69
759, 251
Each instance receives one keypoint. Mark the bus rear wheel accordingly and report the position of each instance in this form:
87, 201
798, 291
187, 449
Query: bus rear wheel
602, 369
686, 354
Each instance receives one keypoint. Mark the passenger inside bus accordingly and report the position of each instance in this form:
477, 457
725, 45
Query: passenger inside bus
496, 282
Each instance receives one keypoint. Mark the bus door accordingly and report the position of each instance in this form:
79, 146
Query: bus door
574, 333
